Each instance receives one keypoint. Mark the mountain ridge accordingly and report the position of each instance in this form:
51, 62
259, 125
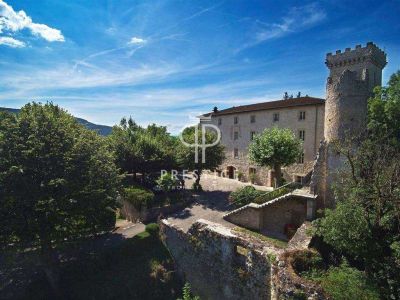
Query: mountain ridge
101, 129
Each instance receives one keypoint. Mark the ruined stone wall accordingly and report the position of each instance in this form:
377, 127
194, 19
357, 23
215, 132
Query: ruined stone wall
219, 264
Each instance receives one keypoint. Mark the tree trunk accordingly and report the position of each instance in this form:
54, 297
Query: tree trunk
278, 175
50, 266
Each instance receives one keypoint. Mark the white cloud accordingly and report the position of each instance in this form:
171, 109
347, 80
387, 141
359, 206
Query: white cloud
11, 42
135, 40
12, 21
298, 18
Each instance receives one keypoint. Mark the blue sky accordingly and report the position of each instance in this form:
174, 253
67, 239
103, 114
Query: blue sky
166, 61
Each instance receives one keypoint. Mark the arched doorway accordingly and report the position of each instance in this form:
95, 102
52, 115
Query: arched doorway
230, 172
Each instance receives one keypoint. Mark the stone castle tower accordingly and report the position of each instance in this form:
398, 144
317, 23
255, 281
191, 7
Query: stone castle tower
353, 76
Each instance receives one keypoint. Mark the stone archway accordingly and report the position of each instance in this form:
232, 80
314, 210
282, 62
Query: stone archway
230, 172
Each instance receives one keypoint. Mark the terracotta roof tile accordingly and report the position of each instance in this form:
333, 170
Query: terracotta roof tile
302, 101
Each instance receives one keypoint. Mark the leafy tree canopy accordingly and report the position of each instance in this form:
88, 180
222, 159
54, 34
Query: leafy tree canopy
214, 155
275, 148
57, 179
143, 150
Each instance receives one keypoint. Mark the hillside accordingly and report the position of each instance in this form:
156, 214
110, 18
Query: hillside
101, 129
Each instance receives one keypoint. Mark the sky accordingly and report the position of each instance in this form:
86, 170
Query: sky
165, 61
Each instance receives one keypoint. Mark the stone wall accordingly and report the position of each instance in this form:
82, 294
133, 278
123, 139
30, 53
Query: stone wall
218, 263
271, 217
145, 215
288, 285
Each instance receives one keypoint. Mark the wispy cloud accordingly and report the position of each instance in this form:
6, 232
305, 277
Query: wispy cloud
298, 19
12, 22
11, 42
136, 41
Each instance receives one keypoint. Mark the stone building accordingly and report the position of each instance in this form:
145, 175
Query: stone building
354, 74
303, 115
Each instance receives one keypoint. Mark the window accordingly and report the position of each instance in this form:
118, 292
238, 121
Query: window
236, 153
252, 119
219, 121
235, 120
302, 135
252, 135
301, 158
302, 115
236, 135
276, 117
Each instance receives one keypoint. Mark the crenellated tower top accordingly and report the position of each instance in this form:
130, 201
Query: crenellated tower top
366, 61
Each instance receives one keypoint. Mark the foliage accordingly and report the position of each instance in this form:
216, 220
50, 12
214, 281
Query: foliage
275, 148
265, 197
142, 150
253, 178
245, 195
153, 229
124, 271
365, 224
240, 175
187, 293
346, 283
384, 110
167, 182
138, 196
214, 155
58, 180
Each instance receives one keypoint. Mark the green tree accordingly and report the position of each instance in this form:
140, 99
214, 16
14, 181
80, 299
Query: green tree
365, 225
186, 155
58, 181
142, 150
275, 148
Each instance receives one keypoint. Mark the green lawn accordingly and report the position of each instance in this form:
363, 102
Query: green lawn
140, 268
273, 241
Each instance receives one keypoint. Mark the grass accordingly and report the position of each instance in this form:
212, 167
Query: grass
275, 242
139, 268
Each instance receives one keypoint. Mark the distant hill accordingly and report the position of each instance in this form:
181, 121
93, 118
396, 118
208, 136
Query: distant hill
101, 129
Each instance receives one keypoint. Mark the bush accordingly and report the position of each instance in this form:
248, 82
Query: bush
344, 282
138, 196
244, 195
152, 228
187, 293
167, 182
265, 197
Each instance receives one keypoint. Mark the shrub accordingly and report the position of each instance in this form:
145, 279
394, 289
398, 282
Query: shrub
253, 178
240, 175
344, 282
138, 196
244, 195
167, 182
265, 197
152, 228
187, 293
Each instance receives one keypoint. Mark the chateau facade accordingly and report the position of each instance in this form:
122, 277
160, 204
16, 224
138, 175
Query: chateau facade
354, 74
238, 125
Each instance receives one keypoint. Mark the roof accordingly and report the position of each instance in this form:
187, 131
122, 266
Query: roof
301, 101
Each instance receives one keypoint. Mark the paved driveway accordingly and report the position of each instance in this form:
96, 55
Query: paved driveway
211, 205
